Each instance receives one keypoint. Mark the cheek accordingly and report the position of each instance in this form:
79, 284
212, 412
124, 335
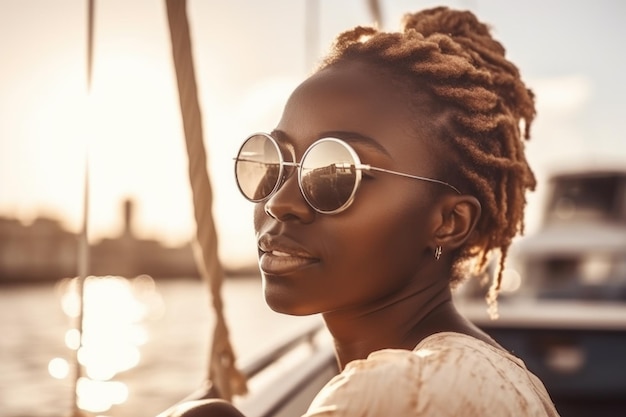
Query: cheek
372, 250
383, 251
390, 234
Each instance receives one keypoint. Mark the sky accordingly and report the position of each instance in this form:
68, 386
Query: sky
248, 57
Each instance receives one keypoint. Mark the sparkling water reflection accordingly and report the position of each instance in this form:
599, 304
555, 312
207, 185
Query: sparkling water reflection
145, 345
114, 319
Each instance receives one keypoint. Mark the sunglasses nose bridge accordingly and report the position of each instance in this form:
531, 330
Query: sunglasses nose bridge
287, 201
289, 169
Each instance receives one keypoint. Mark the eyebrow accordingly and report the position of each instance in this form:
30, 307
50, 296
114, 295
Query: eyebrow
348, 136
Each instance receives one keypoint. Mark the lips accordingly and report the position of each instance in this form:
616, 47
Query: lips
281, 256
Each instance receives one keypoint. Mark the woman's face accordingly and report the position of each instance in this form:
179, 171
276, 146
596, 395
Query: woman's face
373, 252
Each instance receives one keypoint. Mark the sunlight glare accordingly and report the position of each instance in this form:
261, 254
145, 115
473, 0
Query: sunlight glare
72, 339
511, 281
596, 269
138, 335
99, 396
114, 316
70, 302
58, 368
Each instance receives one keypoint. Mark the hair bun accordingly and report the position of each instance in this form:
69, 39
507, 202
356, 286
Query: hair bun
453, 23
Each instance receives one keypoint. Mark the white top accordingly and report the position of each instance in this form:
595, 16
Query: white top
447, 374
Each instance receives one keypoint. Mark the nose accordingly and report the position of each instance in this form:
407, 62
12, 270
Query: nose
288, 203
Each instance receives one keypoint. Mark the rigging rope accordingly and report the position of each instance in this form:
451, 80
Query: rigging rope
223, 374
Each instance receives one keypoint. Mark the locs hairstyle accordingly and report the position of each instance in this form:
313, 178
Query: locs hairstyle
486, 108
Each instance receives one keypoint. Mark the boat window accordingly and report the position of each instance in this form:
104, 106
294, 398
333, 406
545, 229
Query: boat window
592, 276
584, 198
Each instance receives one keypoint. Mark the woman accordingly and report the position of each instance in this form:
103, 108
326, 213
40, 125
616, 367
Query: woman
394, 167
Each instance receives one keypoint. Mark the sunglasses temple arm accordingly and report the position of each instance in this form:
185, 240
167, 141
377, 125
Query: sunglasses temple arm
416, 177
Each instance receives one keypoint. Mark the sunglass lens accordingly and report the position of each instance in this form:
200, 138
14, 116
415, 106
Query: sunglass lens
257, 167
328, 176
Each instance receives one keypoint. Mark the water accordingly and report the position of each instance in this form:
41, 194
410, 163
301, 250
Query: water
172, 361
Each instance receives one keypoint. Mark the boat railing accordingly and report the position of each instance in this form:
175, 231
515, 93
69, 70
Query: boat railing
307, 336
289, 374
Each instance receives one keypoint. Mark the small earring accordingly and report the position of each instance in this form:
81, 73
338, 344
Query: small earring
438, 251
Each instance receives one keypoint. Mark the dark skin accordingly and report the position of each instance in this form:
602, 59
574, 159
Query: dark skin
370, 270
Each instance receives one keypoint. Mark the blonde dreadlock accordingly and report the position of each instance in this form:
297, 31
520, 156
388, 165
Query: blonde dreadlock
453, 56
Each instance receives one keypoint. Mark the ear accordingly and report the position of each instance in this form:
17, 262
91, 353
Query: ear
459, 216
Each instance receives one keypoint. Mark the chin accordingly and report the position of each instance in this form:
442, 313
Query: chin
285, 304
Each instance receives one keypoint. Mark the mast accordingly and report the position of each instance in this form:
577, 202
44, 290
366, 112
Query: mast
83, 243
375, 11
311, 33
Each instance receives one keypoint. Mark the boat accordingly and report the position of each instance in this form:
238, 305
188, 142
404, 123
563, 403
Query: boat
563, 310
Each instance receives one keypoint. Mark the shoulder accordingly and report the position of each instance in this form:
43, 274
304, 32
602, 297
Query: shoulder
446, 374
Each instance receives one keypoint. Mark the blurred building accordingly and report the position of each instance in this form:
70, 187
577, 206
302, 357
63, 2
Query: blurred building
44, 250
41, 250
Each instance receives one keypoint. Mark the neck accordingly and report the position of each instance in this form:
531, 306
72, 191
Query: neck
398, 322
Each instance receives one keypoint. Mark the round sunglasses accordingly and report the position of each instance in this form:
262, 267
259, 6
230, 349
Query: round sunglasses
329, 173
